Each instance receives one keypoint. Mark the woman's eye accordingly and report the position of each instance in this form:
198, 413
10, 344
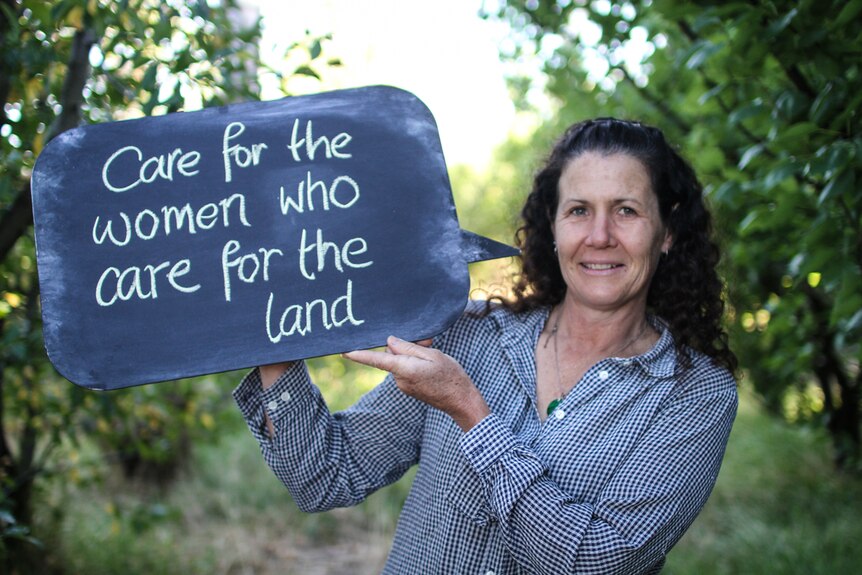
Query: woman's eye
578, 211
627, 211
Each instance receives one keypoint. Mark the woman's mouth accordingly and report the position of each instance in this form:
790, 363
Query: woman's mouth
601, 267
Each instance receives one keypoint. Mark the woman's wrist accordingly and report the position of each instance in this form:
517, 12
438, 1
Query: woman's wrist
269, 374
474, 411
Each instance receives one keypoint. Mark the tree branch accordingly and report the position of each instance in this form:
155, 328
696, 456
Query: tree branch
19, 216
6, 7
77, 74
15, 221
795, 74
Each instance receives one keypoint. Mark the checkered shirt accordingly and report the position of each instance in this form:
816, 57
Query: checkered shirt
607, 484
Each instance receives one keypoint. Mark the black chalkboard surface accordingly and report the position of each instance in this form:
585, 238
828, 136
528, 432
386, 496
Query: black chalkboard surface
230, 237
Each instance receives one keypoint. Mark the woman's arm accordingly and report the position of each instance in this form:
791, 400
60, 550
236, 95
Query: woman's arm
329, 460
644, 508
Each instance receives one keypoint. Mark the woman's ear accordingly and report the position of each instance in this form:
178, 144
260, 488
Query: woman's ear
667, 243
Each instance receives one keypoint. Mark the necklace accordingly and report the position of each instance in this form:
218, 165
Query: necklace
552, 406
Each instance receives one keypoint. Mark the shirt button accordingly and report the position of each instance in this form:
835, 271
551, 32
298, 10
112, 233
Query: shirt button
490, 573
560, 413
285, 397
603, 375
272, 405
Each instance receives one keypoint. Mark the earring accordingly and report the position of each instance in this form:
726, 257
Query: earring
555, 246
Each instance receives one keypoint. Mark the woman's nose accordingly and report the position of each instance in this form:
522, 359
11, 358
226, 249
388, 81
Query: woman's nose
600, 235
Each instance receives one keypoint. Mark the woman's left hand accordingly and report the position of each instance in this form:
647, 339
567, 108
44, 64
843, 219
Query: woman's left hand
430, 376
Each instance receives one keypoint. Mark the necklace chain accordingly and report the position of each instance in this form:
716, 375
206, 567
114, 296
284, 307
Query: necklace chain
562, 395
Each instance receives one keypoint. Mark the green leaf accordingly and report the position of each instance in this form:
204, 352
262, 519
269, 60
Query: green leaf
778, 174
781, 24
148, 83
726, 193
849, 13
749, 155
306, 71
822, 104
315, 50
711, 93
855, 322
755, 108
789, 105
702, 54
747, 222
843, 183
795, 132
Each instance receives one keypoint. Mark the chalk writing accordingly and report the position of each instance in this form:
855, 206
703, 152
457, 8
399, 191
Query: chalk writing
150, 170
298, 318
140, 282
240, 265
331, 147
319, 249
241, 155
306, 189
246, 266
148, 224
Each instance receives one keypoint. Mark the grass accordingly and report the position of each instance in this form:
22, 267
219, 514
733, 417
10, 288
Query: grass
778, 507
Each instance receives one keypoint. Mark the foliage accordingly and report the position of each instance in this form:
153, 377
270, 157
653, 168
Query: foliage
777, 508
229, 514
764, 98
63, 63
762, 516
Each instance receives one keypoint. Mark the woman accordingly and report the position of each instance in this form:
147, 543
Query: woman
577, 429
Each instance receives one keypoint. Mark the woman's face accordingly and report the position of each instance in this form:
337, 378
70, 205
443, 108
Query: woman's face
608, 231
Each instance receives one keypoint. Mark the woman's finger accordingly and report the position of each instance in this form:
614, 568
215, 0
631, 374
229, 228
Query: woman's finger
378, 359
399, 346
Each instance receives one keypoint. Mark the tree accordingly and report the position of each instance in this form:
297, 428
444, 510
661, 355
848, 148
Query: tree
61, 64
765, 98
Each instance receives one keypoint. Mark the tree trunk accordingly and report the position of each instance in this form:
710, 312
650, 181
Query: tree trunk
830, 369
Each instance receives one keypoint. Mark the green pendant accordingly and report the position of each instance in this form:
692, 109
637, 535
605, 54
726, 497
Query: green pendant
553, 405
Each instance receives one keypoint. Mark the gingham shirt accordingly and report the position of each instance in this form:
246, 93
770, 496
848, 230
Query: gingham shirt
605, 485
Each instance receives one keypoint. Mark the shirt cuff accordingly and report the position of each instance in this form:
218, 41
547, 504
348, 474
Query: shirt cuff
487, 442
276, 401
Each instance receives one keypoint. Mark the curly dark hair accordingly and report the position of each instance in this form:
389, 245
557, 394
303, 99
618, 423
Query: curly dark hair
686, 290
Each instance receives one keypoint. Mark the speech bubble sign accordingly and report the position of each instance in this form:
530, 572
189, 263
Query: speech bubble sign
208, 241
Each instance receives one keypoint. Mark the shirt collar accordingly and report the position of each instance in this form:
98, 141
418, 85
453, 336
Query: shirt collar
660, 360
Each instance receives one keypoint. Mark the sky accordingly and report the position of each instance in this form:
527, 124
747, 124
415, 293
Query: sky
440, 51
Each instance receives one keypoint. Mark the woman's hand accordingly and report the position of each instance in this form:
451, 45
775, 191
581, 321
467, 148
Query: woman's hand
430, 376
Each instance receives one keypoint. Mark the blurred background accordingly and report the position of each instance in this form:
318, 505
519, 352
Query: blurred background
763, 97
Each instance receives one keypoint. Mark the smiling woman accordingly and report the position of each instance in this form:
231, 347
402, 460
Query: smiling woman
609, 233
577, 429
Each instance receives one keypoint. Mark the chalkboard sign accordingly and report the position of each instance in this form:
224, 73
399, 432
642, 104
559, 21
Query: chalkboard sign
244, 235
